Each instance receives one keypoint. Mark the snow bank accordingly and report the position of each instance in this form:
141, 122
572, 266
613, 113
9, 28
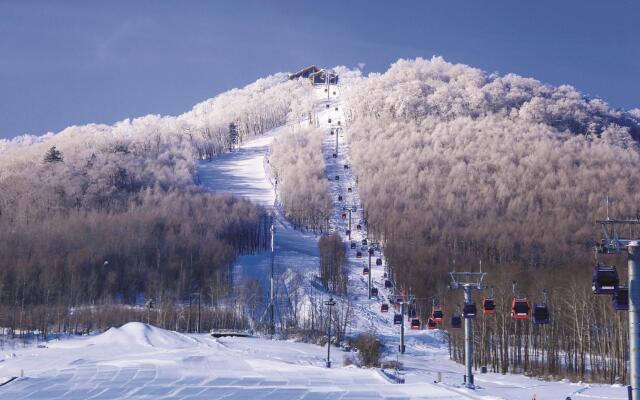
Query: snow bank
134, 334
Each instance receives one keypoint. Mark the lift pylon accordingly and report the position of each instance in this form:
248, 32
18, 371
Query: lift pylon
468, 281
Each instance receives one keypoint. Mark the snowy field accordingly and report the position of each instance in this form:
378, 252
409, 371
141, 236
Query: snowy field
138, 361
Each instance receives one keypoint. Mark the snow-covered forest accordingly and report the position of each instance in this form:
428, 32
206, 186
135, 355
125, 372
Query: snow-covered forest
457, 165
104, 214
298, 166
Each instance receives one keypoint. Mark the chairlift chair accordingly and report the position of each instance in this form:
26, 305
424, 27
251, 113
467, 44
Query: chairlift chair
432, 324
456, 321
621, 298
358, 227
411, 313
371, 251
364, 242
329, 120
339, 123
469, 310
337, 177
336, 108
349, 190
339, 197
327, 105
332, 132
605, 279
415, 324
397, 319
335, 155
437, 315
346, 166
378, 261
374, 291
365, 271
388, 284
353, 243
384, 308
359, 254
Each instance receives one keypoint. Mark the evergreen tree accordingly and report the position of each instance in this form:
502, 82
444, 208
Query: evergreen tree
233, 136
53, 155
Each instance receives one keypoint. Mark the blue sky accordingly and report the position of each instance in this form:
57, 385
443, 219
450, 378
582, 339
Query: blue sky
75, 62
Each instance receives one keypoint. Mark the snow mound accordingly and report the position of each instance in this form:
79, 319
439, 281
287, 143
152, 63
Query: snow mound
138, 334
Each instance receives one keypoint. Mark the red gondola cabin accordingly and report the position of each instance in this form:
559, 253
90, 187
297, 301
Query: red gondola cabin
488, 306
520, 308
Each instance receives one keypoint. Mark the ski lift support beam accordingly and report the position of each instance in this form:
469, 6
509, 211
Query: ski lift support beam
614, 241
468, 281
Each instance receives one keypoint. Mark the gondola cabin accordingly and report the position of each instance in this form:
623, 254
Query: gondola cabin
397, 319
336, 108
605, 279
353, 244
431, 324
358, 227
335, 155
488, 306
359, 254
540, 314
520, 308
371, 251
339, 198
344, 215
328, 105
348, 232
364, 242
384, 308
329, 120
332, 132
349, 190
437, 315
456, 321
365, 271
337, 177
415, 324
378, 261
338, 123
388, 284
621, 298
469, 310
346, 166
374, 291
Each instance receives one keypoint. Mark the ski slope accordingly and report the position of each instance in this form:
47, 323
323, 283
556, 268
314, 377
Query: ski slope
138, 361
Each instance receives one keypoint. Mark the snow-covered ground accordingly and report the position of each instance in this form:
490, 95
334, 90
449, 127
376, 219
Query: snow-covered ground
138, 361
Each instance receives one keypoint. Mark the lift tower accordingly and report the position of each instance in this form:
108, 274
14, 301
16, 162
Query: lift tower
620, 235
272, 316
468, 281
